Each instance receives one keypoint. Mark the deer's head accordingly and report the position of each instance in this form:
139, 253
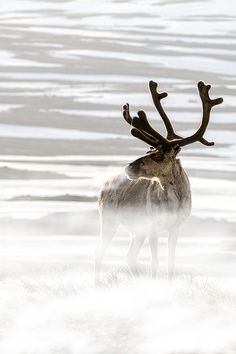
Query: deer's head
164, 150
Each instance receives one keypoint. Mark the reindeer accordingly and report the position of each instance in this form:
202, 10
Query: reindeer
153, 194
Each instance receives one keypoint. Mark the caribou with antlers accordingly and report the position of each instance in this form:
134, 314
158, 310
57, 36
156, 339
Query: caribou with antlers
153, 194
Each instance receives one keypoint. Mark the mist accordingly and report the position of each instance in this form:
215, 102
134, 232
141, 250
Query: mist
49, 303
66, 70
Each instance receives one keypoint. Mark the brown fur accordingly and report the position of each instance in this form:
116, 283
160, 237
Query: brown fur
166, 193
153, 194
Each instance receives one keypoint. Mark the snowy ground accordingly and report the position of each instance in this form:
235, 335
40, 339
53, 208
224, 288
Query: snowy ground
66, 68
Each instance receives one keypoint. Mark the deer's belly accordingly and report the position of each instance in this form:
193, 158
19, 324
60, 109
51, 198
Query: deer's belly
144, 221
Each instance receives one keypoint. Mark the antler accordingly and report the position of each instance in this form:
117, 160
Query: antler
207, 105
138, 133
145, 132
157, 97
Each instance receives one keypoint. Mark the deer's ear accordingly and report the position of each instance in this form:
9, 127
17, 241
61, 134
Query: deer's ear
175, 150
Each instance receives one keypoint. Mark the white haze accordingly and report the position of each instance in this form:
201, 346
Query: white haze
54, 308
66, 69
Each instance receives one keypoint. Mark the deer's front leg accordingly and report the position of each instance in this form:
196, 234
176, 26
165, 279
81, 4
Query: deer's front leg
153, 243
134, 248
108, 229
172, 242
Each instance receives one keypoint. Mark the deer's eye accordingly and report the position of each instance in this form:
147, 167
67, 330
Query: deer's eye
157, 157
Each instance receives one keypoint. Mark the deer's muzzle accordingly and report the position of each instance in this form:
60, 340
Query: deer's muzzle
133, 169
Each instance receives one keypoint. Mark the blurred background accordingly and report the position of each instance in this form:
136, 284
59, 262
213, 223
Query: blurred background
66, 69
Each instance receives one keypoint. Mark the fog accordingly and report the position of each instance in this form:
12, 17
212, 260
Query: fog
66, 69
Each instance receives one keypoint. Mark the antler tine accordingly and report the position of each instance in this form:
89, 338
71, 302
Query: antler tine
142, 124
207, 104
144, 136
126, 114
157, 97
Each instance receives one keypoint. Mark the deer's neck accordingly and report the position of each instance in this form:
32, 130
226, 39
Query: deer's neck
175, 184
176, 188
175, 176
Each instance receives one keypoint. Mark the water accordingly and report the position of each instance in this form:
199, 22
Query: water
66, 69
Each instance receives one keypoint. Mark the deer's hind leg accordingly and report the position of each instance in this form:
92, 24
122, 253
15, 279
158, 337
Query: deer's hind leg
172, 242
107, 231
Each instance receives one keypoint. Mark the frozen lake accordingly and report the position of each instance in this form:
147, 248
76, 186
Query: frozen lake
66, 69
